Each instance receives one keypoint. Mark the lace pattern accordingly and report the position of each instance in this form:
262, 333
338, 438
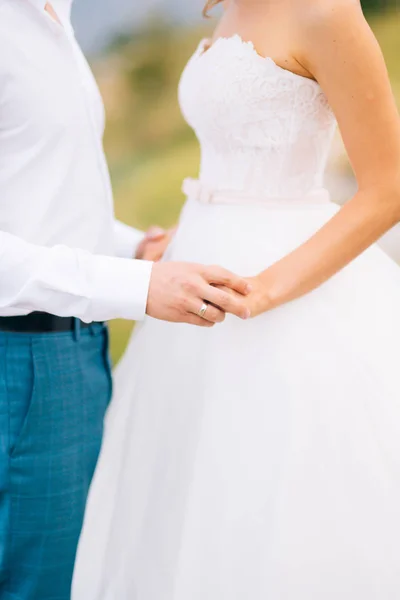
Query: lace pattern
261, 128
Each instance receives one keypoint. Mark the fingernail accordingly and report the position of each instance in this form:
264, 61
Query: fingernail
248, 288
247, 314
156, 233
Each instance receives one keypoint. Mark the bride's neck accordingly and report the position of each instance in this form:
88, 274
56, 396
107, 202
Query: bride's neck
253, 8
258, 4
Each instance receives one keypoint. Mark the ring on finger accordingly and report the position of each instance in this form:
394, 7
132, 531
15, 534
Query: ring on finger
203, 310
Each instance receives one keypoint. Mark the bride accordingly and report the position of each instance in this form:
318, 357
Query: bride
260, 460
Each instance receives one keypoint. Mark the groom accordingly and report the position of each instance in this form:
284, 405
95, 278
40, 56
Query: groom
65, 267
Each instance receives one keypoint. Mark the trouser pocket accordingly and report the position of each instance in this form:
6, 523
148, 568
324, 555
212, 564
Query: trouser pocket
22, 381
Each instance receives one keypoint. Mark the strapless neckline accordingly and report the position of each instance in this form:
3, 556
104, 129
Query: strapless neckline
206, 46
263, 129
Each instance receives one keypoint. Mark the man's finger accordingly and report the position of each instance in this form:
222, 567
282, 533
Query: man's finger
155, 234
212, 314
195, 320
228, 302
220, 276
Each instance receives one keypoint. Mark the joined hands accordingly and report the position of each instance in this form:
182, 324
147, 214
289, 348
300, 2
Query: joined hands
178, 290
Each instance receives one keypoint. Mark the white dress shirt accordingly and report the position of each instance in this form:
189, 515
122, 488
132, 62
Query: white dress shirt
59, 240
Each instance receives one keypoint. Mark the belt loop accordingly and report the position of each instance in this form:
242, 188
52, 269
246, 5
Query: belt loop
92, 329
77, 329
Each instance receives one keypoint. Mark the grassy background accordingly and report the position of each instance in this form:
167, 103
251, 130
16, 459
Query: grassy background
149, 147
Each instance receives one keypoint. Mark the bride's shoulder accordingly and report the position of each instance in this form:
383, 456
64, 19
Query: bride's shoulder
314, 15
330, 34
322, 23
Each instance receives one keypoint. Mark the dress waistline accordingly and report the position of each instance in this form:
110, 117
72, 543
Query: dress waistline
196, 190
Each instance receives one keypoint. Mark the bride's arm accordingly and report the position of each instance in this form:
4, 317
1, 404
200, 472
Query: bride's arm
341, 52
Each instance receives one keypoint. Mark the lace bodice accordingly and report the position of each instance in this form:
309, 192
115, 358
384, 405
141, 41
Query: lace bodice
262, 129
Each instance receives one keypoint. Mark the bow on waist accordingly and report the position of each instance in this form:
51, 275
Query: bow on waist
196, 190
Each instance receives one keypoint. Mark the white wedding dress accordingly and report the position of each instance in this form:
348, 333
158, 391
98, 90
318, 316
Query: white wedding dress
259, 460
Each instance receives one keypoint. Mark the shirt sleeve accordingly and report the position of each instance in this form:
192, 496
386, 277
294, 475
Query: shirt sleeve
69, 282
127, 239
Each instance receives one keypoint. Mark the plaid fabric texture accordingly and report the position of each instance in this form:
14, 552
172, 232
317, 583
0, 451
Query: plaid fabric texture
54, 391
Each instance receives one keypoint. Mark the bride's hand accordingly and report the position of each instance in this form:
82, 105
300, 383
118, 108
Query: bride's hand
258, 300
155, 243
263, 296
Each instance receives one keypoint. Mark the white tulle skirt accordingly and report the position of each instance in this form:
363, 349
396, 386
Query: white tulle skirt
259, 460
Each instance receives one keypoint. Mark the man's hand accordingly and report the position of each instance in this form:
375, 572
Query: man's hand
179, 290
154, 244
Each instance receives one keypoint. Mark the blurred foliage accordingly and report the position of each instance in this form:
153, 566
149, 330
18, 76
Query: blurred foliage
142, 95
149, 147
377, 6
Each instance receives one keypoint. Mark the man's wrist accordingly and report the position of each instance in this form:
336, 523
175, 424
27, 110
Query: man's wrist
120, 288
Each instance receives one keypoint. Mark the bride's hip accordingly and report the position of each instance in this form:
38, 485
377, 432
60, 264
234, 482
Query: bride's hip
247, 239
244, 237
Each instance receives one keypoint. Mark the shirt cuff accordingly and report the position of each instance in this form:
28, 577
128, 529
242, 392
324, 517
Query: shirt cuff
120, 289
127, 239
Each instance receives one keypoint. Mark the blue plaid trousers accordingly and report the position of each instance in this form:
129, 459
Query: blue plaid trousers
54, 391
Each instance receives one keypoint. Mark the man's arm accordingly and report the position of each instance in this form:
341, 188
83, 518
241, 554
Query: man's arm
70, 282
127, 239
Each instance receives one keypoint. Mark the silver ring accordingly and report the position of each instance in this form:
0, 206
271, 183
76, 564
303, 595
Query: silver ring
203, 310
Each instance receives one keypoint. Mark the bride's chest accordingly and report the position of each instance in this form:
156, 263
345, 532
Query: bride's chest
231, 89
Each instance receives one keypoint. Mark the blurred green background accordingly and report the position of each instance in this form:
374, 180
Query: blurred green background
149, 147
